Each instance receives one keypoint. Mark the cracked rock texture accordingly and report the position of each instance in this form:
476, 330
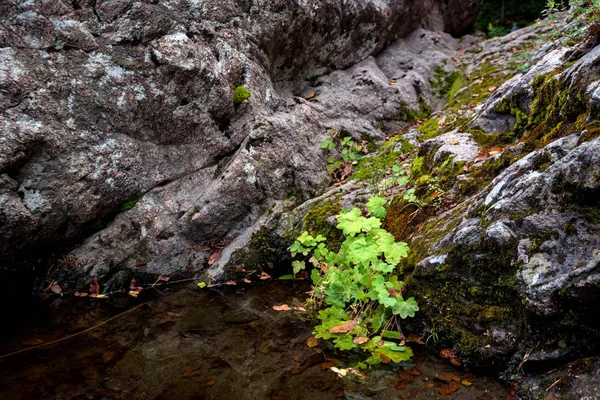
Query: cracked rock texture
125, 108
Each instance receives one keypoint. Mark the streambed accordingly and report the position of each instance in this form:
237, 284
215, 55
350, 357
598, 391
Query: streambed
188, 343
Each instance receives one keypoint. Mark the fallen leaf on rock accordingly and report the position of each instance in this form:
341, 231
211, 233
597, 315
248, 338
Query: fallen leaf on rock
429, 385
400, 386
134, 293
214, 257
343, 328
455, 361
393, 82
405, 376
173, 314
264, 276
211, 285
495, 150
55, 288
454, 142
312, 342
231, 283
211, 382
283, 307
449, 389
240, 268
188, 371
466, 383
32, 342
247, 280
455, 378
94, 287
447, 353
414, 372
442, 121
310, 96
361, 340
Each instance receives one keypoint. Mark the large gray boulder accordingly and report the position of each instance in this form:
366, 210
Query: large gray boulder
104, 103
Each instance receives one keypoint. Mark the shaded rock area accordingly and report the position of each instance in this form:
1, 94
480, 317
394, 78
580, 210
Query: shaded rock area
118, 117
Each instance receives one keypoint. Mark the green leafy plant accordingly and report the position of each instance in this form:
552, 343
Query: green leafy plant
350, 151
363, 299
574, 22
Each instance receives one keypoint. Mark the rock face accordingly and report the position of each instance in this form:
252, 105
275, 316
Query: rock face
107, 103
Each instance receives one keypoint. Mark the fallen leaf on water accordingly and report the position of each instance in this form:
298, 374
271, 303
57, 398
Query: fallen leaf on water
343, 328
445, 378
455, 361
312, 342
107, 356
231, 283
361, 340
283, 307
32, 342
55, 288
188, 371
94, 287
173, 314
449, 389
447, 353
310, 96
466, 383
211, 382
214, 257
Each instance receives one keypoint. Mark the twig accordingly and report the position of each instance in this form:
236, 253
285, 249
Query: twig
558, 380
73, 335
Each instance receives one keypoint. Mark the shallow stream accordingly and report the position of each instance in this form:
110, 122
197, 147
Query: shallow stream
191, 343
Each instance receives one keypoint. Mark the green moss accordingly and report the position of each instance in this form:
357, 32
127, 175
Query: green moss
316, 222
369, 141
429, 129
405, 114
129, 204
416, 168
241, 94
444, 81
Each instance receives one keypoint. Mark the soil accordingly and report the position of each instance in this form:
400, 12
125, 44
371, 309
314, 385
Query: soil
193, 343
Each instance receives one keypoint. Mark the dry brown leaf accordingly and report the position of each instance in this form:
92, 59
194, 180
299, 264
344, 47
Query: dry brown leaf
55, 288
492, 89
188, 371
393, 82
475, 95
384, 359
264, 276
32, 342
173, 314
327, 365
495, 150
214, 257
447, 353
312, 342
134, 293
231, 283
94, 287
455, 378
283, 307
414, 372
400, 386
211, 382
449, 389
299, 309
240, 268
429, 385
107, 356
455, 361
415, 339
310, 96
361, 340
442, 121
445, 378
466, 383
343, 328
77, 294
247, 280
211, 285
